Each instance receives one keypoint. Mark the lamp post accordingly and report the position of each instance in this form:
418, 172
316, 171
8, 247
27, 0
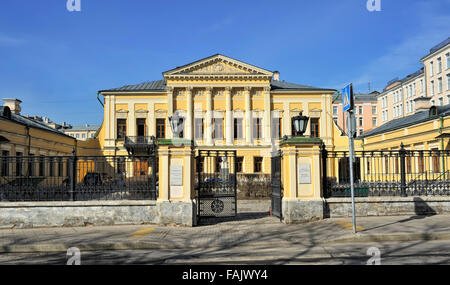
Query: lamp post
299, 124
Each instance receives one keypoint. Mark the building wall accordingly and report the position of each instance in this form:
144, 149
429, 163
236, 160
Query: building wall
433, 74
367, 115
398, 100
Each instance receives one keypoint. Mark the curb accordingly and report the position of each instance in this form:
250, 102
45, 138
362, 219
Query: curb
361, 238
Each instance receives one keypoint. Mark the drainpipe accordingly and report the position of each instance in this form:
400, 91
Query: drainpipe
98, 93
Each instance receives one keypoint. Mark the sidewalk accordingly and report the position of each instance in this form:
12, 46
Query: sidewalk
252, 231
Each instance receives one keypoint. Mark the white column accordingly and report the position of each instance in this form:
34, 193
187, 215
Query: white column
189, 114
229, 116
248, 116
209, 116
131, 128
267, 116
169, 111
287, 120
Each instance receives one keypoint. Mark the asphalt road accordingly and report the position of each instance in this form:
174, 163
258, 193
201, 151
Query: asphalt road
398, 253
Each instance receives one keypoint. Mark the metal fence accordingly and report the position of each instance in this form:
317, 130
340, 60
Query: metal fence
72, 178
387, 173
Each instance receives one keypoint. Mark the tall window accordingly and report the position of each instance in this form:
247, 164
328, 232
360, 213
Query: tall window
4, 163
439, 65
439, 84
436, 166
60, 167
160, 128
315, 128
360, 121
41, 165
238, 129
335, 110
257, 167
276, 128
31, 165
199, 130
374, 121
19, 161
140, 126
121, 129
431, 68
51, 171
218, 129
374, 110
432, 87
360, 110
448, 81
448, 60
257, 128
239, 164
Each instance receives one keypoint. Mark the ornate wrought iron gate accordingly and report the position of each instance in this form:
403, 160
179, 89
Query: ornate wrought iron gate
216, 183
277, 188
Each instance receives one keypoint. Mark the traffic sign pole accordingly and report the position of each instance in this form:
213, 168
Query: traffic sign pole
351, 159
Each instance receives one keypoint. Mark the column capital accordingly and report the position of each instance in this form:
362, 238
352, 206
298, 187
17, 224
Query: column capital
267, 89
169, 89
247, 88
228, 88
189, 88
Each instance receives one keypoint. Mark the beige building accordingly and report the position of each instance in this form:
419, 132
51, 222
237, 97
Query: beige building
432, 81
397, 99
437, 73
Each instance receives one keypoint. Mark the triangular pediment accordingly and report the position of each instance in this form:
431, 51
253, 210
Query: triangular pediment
217, 65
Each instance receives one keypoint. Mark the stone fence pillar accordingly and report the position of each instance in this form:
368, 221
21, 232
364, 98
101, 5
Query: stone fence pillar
301, 179
176, 182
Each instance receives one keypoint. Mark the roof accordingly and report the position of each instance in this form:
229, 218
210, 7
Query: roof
405, 79
160, 86
29, 122
414, 119
359, 98
151, 86
82, 128
438, 47
277, 85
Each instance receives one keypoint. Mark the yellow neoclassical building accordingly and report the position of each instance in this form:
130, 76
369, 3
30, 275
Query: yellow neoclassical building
226, 103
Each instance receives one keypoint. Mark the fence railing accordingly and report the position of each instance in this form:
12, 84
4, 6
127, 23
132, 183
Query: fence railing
387, 173
72, 178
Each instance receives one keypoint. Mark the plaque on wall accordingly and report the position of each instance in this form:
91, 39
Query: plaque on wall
304, 174
176, 175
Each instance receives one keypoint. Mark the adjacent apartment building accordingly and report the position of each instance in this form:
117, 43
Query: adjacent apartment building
432, 81
83, 133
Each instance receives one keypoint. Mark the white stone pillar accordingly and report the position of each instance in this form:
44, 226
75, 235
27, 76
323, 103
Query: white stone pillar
267, 116
209, 116
169, 111
248, 116
229, 116
189, 114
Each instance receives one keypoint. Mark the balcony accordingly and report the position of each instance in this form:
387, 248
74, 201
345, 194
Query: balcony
140, 145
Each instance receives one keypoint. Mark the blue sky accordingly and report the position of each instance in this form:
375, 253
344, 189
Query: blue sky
55, 61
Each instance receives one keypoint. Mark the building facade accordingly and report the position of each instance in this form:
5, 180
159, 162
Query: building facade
83, 133
437, 73
226, 103
366, 112
432, 81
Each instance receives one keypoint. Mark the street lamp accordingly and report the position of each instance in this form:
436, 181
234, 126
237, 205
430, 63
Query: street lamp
299, 124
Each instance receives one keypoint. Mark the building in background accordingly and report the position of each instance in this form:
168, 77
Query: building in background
398, 98
83, 133
432, 81
437, 73
366, 112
